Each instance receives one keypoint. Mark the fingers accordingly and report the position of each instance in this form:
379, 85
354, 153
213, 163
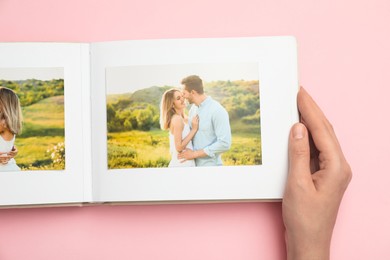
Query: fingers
4, 159
330, 156
13, 152
181, 154
299, 156
321, 130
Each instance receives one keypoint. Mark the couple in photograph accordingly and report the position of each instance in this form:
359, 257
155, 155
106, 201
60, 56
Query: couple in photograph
200, 138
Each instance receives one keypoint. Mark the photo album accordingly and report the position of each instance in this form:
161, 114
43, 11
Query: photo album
146, 121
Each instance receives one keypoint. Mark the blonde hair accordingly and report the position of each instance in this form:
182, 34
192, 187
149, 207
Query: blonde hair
166, 108
10, 110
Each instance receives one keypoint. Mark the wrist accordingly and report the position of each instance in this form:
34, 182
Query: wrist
307, 248
195, 154
198, 154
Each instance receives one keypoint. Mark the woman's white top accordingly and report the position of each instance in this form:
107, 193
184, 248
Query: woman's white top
5, 147
174, 161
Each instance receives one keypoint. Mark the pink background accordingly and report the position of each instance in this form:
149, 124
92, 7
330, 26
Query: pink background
344, 61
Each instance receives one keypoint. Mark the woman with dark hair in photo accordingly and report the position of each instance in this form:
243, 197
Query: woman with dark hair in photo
174, 119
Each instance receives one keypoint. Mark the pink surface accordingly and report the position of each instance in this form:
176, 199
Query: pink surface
344, 61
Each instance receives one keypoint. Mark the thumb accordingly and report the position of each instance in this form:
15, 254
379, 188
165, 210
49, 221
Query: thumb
299, 153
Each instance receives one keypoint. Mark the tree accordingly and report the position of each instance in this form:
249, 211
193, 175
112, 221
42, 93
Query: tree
145, 119
111, 114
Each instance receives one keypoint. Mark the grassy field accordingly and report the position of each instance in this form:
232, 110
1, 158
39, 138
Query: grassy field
33, 153
43, 128
45, 118
138, 149
245, 150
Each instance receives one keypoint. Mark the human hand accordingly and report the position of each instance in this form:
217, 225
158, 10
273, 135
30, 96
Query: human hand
4, 158
186, 154
318, 177
195, 123
13, 152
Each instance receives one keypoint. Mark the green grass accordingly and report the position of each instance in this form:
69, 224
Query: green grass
239, 128
43, 128
32, 152
245, 150
45, 118
138, 149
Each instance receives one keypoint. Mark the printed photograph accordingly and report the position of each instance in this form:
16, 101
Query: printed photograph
184, 115
32, 134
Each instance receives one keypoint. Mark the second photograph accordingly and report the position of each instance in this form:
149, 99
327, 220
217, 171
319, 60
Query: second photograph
183, 115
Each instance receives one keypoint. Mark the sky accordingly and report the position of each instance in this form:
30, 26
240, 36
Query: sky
31, 73
126, 79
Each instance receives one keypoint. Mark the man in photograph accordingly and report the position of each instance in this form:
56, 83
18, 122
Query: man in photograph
214, 135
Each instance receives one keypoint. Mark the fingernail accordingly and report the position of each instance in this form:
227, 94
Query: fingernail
298, 131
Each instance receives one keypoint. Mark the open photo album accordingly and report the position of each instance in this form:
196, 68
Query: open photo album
146, 121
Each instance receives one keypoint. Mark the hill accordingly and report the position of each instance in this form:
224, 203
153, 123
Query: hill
151, 95
140, 110
31, 91
44, 118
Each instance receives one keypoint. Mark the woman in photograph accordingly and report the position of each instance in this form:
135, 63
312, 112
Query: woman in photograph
173, 118
10, 126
